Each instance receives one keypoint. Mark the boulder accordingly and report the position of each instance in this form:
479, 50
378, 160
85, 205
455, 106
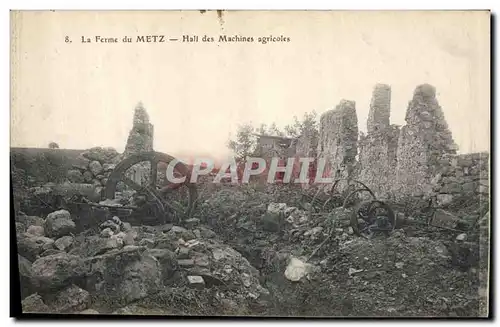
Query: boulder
108, 167
106, 232
123, 276
129, 238
56, 271
30, 246
75, 176
271, 221
95, 168
87, 176
34, 304
95, 245
297, 269
71, 299
196, 282
35, 230
444, 199
126, 227
20, 228
206, 232
276, 208
25, 275
59, 223
81, 163
168, 262
64, 243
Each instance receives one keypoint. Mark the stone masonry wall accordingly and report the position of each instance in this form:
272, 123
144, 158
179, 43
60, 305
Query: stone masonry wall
377, 150
140, 139
423, 141
461, 175
338, 140
416, 160
141, 135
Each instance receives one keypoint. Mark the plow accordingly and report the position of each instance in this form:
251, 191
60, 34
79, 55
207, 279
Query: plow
152, 198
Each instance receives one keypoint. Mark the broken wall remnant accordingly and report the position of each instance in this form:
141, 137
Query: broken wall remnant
380, 109
461, 175
423, 142
417, 160
338, 140
141, 135
140, 139
378, 149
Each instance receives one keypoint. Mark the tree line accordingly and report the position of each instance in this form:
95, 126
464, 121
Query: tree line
245, 141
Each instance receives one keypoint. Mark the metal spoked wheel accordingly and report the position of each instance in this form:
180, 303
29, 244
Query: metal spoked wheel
168, 201
371, 218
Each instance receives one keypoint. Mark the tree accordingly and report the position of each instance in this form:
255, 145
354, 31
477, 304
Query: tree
53, 145
245, 142
308, 125
274, 131
262, 130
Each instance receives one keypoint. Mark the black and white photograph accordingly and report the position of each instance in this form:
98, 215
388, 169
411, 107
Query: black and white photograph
250, 163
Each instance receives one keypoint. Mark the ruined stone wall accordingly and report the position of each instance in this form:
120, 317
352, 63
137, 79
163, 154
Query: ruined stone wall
338, 140
142, 133
417, 160
140, 139
423, 142
461, 175
378, 149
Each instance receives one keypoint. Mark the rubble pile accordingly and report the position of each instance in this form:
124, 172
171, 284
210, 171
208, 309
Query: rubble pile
106, 272
270, 249
316, 265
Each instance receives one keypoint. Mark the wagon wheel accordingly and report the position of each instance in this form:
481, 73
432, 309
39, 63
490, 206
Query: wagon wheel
372, 217
160, 196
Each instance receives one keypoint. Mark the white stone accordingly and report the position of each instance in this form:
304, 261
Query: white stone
297, 269
36, 230
444, 199
106, 232
276, 208
353, 271
196, 281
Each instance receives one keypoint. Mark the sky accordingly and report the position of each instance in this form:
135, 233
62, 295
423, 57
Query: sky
81, 95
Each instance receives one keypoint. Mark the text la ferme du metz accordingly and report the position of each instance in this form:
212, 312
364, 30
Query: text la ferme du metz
184, 39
